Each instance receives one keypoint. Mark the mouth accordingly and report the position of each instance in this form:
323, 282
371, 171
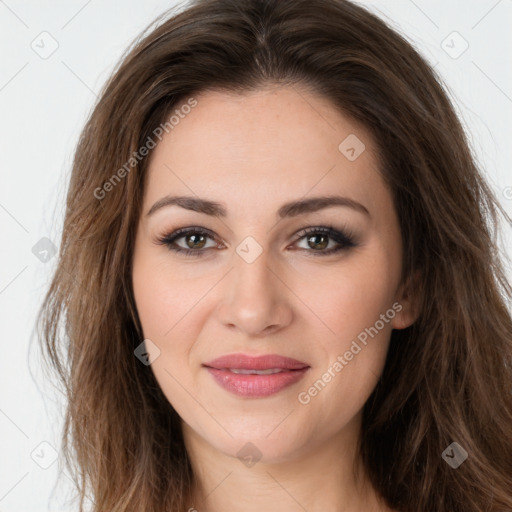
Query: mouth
255, 377
243, 371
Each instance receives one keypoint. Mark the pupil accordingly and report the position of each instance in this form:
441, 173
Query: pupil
323, 245
193, 243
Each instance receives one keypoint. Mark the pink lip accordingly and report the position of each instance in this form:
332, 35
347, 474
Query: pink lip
256, 385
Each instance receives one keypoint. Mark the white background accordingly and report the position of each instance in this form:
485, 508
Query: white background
44, 104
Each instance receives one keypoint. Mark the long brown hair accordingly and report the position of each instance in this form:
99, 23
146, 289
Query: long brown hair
447, 378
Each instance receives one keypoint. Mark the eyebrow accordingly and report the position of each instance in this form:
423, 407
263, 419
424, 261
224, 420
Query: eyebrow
291, 209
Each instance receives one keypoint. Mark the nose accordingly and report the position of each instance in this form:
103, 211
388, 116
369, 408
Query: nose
255, 297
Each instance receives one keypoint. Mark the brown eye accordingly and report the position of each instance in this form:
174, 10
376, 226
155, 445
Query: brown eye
319, 238
318, 241
195, 240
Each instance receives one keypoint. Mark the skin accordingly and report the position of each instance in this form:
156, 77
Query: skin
253, 153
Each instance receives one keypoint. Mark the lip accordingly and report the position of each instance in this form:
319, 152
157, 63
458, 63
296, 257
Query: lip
291, 371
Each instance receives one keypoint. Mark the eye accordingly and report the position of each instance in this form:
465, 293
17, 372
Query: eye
317, 239
195, 239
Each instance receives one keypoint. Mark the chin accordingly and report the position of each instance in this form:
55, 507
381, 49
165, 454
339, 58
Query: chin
257, 439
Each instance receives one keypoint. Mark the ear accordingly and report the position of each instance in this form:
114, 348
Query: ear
407, 302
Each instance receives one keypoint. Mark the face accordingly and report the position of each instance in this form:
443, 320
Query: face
297, 296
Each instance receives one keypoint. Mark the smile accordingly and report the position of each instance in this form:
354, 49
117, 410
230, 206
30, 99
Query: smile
256, 377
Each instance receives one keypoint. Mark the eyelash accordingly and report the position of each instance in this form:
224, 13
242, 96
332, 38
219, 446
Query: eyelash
344, 239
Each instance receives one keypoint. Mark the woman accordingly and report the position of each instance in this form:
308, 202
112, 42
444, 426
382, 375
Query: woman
279, 278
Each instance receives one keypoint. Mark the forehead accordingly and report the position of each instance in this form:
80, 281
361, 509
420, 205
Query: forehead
277, 143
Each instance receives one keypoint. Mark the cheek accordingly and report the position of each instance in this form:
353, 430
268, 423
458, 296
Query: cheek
358, 312
164, 297
340, 385
170, 305
353, 297
153, 302
164, 309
